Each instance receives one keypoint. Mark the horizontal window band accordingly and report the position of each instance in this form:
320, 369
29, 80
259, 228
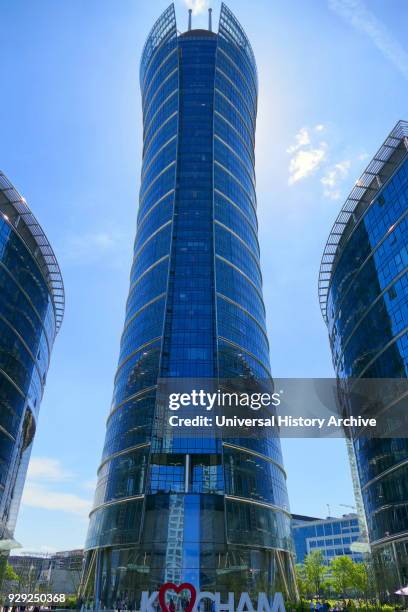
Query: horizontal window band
7, 433
152, 77
158, 130
383, 410
236, 179
165, 40
248, 129
244, 350
146, 109
381, 352
146, 130
249, 451
10, 380
152, 235
335, 261
27, 348
130, 398
52, 279
253, 100
262, 305
251, 113
371, 306
149, 269
114, 502
141, 309
226, 261
156, 178
231, 498
254, 256
126, 451
387, 472
246, 500
243, 214
141, 221
242, 163
27, 296
367, 259
245, 311
136, 263
155, 156
133, 353
256, 281
244, 77
402, 536
238, 135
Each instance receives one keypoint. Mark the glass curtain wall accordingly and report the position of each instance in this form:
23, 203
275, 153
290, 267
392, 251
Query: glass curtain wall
211, 512
31, 311
364, 297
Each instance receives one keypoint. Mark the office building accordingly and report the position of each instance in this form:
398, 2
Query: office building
63, 574
333, 536
56, 573
30, 568
31, 311
363, 290
210, 512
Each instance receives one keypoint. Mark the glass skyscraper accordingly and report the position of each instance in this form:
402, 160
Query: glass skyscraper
31, 311
363, 291
211, 512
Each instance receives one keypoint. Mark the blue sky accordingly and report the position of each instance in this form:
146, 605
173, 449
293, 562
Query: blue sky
333, 82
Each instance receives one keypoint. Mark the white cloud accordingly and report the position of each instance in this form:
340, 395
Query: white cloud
45, 468
198, 6
306, 156
302, 139
39, 496
361, 18
43, 473
309, 155
305, 163
333, 177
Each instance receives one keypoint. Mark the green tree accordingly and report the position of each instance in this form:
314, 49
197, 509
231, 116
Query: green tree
315, 571
10, 574
364, 580
342, 574
301, 579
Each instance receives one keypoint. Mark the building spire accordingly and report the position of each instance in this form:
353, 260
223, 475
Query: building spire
210, 19
190, 12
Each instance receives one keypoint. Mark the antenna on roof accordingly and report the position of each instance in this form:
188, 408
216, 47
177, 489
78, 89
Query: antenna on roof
210, 19
190, 11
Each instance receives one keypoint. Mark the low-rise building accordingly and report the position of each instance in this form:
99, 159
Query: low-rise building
64, 572
59, 572
334, 536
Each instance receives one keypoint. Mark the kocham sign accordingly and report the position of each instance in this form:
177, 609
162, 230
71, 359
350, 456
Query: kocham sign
166, 597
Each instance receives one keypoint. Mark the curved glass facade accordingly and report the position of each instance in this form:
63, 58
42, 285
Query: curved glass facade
366, 307
214, 513
31, 310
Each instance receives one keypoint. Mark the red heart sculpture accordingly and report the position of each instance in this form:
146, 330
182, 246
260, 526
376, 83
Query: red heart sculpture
170, 586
